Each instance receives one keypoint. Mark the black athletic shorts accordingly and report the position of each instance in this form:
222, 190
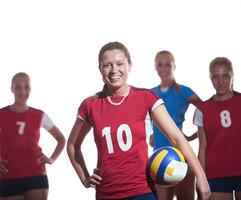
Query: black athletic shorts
225, 185
13, 187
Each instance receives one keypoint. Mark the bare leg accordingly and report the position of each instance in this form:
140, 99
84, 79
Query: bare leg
38, 194
19, 197
185, 189
221, 196
238, 195
164, 193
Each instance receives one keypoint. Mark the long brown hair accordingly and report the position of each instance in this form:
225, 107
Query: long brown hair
108, 47
168, 53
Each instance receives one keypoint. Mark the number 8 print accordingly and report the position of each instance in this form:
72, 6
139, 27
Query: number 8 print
122, 129
225, 118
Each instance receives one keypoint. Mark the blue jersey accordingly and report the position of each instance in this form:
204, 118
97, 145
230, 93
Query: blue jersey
177, 104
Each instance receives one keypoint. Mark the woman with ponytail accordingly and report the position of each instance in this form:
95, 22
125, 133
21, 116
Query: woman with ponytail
177, 98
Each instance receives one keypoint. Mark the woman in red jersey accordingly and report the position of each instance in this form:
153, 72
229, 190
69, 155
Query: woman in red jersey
219, 130
117, 115
22, 163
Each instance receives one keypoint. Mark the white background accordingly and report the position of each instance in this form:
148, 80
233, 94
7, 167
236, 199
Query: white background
57, 44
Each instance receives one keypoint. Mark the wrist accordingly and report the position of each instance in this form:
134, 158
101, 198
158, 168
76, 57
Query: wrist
51, 160
85, 182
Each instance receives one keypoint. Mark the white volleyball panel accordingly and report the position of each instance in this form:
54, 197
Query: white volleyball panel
175, 171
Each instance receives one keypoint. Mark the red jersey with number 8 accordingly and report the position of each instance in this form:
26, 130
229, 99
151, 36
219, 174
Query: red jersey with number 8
222, 123
120, 136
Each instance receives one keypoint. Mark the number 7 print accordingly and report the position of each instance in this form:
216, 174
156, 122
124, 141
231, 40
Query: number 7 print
21, 127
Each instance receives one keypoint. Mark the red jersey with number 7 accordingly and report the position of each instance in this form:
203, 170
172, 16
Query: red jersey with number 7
19, 137
120, 137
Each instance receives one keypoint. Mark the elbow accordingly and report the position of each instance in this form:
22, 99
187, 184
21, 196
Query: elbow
179, 140
61, 141
72, 147
69, 146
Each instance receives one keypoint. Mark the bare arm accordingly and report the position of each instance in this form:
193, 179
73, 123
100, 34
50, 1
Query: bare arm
151, 141
58, 136
175, 136
202, 146
191, 137
193, 100
77, 135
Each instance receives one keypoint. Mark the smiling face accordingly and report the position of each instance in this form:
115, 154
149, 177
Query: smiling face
114, 67
222, 79
21, 88
165, 66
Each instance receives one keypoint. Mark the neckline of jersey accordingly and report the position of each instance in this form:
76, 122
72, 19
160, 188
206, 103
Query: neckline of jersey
229, 99
164, 92
15, 112
121, 101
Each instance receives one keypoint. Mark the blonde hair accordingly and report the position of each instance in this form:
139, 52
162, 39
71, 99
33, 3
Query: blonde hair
224, 62
168, 53
165, 52
221, 61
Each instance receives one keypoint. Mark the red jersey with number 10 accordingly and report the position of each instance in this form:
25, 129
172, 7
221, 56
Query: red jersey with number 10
120, 136
19, 137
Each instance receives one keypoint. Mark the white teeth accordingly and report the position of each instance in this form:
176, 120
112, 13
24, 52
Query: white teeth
114, 77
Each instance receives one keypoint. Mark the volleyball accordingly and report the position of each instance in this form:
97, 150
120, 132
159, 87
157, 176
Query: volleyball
167, 166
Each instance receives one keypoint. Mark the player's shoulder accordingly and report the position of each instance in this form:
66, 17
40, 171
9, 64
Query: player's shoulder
184, 88
35, 112
156, 88
92, 98
237, 94
4, 109
142, 90
206, 103
143, 93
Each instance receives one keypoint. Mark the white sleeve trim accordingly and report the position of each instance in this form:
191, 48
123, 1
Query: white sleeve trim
198, 118
78, 115
157, 104
46, 122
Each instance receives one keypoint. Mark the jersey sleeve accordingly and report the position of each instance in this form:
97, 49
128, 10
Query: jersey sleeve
46, 122
187, 92
83, 111
153, 101
198, 118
